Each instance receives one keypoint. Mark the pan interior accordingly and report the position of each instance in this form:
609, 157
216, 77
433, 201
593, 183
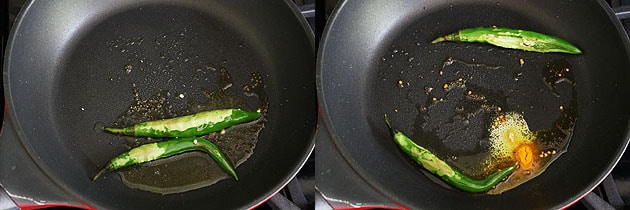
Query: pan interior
157, 74
141, 49
449, 104
396, 67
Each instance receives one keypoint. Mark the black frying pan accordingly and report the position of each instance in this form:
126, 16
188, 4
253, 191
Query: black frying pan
369, 46
66, 70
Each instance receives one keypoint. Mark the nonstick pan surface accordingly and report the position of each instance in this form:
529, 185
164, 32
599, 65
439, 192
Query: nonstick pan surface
72, 65
375, 58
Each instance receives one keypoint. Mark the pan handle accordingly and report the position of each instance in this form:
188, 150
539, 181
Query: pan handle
23, 185
6, 202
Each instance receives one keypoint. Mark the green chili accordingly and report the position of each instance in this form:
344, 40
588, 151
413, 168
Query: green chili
163, 149
513, 39
440, 168
190, 125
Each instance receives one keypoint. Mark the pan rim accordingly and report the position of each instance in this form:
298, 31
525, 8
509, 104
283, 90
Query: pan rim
362, 172
43, 168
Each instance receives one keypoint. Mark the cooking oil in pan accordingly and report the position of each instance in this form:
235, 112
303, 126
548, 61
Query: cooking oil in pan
534, 150
512, 141
479, 130
194, 170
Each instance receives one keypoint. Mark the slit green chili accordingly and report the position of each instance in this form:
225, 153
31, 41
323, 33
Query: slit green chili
513, 39
163, 149
197, 124
440, 168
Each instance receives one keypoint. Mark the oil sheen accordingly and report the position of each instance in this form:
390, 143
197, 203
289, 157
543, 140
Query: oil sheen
481, 116
482, 130
194, 170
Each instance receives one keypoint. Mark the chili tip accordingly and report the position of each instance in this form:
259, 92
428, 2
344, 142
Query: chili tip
105, 170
